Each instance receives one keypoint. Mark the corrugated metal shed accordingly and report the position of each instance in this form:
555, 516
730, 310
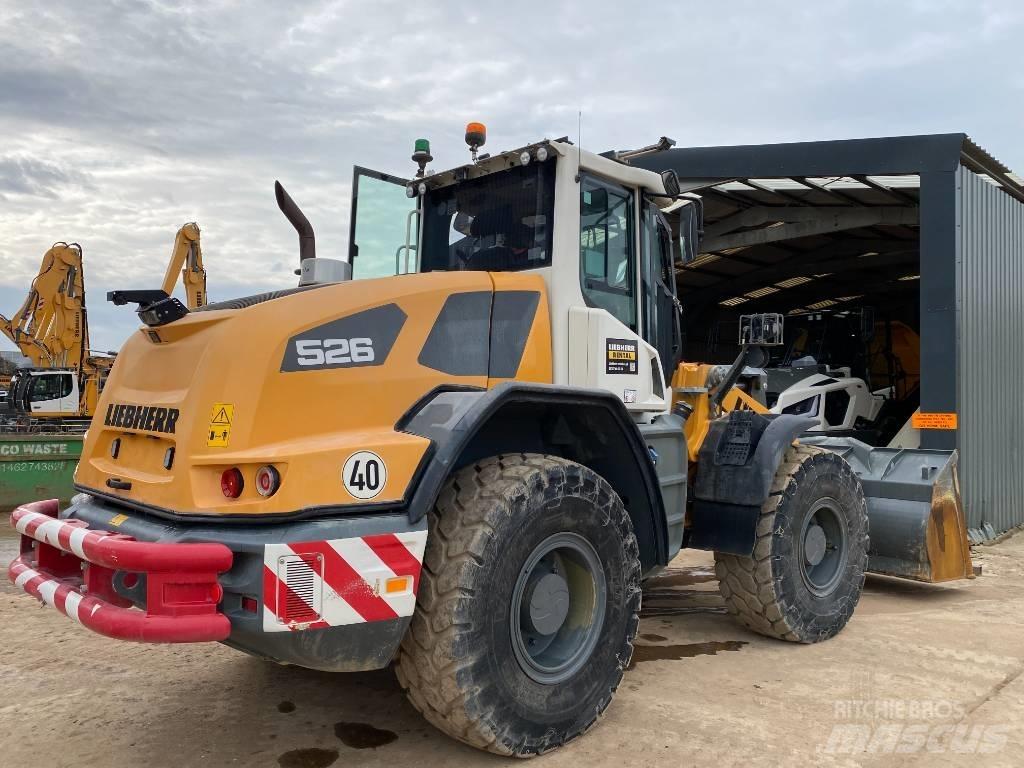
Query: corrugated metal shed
990, 301
931, 224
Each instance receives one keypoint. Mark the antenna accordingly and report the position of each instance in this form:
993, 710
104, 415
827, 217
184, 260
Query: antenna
579, 142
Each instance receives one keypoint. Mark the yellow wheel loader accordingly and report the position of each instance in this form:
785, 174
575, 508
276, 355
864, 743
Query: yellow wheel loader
461, 451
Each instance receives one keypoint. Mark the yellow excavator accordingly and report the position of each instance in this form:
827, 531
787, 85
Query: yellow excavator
51, 329
461, 450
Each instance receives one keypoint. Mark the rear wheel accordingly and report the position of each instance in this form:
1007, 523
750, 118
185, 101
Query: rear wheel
527, 605
807, 571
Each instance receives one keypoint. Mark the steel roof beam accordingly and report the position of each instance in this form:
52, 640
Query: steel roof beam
800, 222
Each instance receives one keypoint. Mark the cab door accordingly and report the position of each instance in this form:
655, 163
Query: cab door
660, 305
607, 349
384, 226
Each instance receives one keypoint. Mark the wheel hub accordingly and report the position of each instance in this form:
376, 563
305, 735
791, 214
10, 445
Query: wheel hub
814, 545
549, 603
824, 547
558, 607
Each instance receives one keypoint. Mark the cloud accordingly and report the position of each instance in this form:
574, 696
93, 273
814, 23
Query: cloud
37, 178
123, 120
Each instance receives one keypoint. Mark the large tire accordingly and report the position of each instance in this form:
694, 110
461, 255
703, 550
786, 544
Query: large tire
781, 591
461, 662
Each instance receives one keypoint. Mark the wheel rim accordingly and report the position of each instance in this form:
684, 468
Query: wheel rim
558, 607
823, 547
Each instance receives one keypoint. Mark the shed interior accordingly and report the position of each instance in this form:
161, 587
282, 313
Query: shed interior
839, 257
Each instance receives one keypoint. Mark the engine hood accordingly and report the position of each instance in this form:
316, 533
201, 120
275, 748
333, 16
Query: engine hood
301, 382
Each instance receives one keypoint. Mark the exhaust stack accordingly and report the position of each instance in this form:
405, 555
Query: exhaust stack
311, 271
294, 214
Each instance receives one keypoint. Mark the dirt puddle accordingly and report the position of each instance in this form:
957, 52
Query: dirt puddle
363, 735
642, 653
308, 758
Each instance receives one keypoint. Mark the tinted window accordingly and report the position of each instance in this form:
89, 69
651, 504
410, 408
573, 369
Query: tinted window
607, 259
499, 222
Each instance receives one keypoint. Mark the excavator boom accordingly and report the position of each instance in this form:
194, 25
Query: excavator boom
187, 257
49, 328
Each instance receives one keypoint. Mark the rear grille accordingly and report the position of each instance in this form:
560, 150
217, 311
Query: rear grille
300, 578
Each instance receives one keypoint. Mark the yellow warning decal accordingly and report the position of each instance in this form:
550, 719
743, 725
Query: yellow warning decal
118, 519
933, 420
221, 418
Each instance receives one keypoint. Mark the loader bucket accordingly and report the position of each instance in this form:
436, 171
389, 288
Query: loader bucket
917, 524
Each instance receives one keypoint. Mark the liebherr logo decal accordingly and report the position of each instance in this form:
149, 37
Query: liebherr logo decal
148, 418
362, 339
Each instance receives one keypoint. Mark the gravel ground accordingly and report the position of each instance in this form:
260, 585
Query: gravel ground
923, 676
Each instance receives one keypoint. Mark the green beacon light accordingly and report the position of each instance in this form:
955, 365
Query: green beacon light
421, 155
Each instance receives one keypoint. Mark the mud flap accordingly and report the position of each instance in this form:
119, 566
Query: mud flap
918, 527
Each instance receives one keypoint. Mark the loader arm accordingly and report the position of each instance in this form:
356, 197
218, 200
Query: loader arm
187, 258
916, 514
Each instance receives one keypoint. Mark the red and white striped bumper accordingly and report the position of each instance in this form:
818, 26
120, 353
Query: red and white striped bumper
89, 574
73, 569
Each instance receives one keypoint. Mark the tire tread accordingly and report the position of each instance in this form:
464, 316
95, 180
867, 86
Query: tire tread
436, 659
750, 586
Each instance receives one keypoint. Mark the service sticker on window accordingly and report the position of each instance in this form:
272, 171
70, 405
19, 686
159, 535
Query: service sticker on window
621, 356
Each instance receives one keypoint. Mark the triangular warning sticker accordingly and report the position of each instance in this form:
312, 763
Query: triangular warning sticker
220, 425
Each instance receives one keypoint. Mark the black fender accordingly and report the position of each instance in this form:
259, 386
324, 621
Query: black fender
735, 468
591, 427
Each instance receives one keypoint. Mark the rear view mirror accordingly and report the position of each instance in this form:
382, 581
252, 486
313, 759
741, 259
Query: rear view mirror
671, 182
691, 226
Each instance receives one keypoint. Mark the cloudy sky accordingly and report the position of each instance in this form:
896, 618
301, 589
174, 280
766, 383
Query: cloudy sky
122, 120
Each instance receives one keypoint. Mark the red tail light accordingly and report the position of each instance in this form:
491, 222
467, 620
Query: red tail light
231, 483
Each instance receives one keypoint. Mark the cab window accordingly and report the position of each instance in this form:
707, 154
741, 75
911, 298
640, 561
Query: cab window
607, 258
497, 222
50, 387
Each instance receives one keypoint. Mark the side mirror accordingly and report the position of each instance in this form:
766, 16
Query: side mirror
691, 227
671, 182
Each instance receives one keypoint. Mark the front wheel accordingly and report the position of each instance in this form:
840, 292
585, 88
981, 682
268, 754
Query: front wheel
807, 570
527, 605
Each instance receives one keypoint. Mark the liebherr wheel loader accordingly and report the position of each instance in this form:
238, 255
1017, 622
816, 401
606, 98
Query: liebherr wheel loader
464, 461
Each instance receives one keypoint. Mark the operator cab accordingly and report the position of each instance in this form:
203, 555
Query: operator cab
44, 391
604, 236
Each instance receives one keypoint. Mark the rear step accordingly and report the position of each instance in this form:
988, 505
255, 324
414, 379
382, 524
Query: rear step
86, 575
918, 528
